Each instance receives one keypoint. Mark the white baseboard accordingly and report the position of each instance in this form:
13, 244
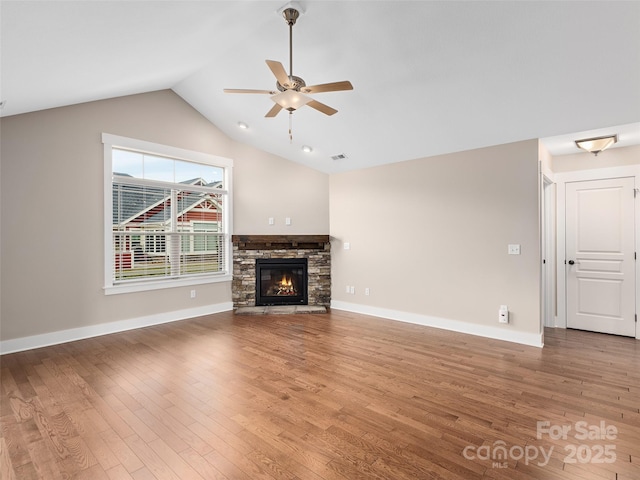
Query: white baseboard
531, 339
72, 334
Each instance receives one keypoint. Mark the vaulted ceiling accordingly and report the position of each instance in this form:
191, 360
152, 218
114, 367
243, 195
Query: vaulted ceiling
429, 77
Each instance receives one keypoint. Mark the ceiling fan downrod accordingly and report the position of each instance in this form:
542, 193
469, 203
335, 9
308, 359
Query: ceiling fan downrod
290, 15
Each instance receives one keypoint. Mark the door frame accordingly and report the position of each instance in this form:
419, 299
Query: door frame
561, 179
549, 248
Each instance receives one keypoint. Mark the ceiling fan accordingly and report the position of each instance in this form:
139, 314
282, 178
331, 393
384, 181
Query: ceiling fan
291, 90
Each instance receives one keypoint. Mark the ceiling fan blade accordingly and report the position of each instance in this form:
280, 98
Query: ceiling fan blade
274, 111
279, 72
321, 107
245, 90
328, 87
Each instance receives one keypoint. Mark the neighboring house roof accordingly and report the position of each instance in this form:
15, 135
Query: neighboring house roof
186, 202
131, 203
201, 182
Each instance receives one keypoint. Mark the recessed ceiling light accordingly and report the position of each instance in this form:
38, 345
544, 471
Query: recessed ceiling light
243, 125
307, 149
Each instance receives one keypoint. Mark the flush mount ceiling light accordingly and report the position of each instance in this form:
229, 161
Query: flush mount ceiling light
243, 125
597, 144
307, 149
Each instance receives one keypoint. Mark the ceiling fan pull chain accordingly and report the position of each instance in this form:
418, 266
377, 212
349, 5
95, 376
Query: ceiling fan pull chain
290, 127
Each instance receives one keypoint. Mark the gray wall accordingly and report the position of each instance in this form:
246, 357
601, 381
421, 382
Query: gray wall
429, 237
52, 209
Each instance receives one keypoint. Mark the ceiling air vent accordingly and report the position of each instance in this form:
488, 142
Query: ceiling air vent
340, 156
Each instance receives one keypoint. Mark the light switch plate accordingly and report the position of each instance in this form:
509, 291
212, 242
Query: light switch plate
514, 249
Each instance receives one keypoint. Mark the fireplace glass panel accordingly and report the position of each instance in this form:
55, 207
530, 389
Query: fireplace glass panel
281, 281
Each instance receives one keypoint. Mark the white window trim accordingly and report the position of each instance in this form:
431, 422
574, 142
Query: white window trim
114, 141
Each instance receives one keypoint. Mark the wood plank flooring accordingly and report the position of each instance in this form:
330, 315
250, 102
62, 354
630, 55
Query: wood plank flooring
320, 397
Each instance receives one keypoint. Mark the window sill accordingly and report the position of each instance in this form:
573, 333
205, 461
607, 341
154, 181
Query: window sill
158, 285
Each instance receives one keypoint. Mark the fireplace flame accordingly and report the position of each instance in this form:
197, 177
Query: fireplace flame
285, 287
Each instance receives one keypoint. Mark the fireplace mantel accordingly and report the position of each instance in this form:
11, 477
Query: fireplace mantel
280, 242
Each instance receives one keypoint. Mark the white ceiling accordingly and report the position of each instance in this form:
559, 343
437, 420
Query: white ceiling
429, 77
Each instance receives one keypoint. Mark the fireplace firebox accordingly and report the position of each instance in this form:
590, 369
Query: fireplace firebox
281, 281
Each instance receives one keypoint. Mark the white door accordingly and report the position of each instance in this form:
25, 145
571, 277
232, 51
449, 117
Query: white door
600, 256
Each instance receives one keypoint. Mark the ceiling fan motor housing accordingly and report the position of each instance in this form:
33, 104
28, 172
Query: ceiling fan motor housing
295, 83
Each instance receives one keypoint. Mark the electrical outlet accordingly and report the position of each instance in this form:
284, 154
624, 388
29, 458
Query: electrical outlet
514, 249
287, 221
503, 314
348, 289
347, 246
367, 292
193, 294
353, 290
271, 221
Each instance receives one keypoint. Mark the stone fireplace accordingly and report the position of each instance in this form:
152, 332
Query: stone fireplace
276, 264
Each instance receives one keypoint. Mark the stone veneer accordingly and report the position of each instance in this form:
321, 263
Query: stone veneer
247, 248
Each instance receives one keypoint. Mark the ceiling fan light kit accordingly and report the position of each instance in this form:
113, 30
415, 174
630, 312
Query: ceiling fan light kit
291, 90
291, 100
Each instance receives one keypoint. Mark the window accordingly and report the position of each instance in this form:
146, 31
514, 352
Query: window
167, 216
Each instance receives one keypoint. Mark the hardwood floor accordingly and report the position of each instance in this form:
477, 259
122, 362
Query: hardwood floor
319, 397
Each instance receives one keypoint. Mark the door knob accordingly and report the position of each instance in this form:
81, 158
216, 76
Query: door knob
571, 262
